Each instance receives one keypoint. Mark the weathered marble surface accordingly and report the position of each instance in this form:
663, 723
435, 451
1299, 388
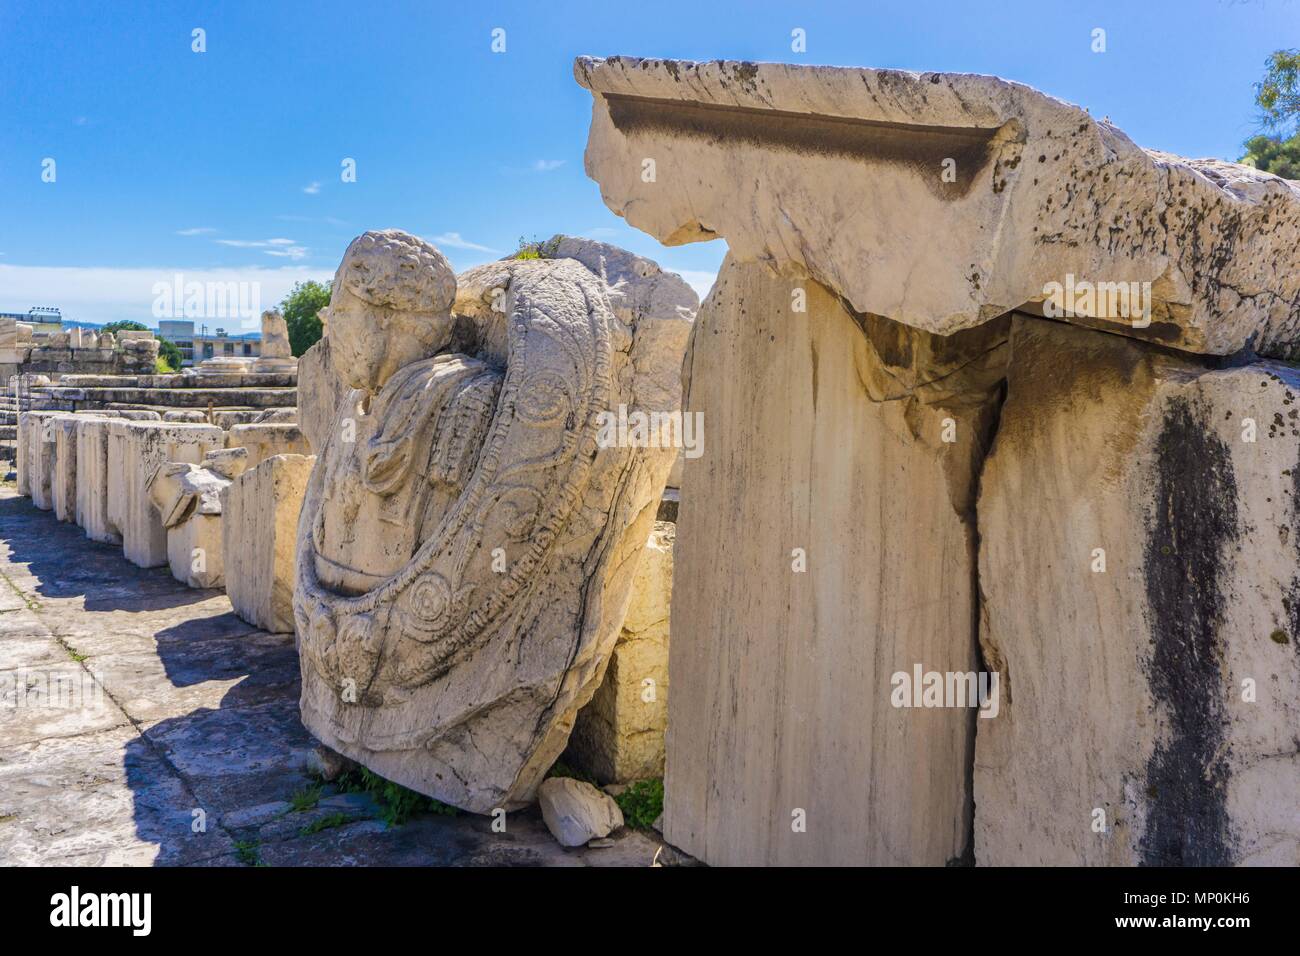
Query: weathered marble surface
825, 541
576, 812
188, 498
320, 389
660, 305
619, 735
92, 480
35, 465
840, 425
260, 531
828, 171
1139, 522
135, 452
264, 439
63, 478
276, 355
420, 660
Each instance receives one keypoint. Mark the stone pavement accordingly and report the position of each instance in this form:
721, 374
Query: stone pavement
142, 722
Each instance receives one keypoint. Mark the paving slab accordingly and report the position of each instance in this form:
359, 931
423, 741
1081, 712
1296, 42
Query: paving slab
143, 724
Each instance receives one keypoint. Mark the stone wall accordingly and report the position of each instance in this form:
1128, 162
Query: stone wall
906, 252
619, 736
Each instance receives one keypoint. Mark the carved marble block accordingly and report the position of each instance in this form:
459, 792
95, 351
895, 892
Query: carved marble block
276, 355
92, 480
260, 533
964, 374
63, 477
188, 498
467, 545
619, 736
136, 450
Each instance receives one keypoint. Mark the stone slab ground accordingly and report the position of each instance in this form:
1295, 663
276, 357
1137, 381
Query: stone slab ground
178, 706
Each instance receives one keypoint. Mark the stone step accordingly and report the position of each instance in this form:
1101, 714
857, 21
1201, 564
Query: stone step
181, 380
95, 396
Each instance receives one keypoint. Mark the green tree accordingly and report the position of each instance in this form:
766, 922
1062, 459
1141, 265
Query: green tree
1281, 157
1278, 99
126, 325
301, 308
1278, 94
169, 352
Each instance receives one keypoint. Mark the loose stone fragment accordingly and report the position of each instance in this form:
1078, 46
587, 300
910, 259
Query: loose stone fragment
576, 812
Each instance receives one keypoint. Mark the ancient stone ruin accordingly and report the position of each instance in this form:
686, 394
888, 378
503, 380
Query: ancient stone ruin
24, 352
467, 545
991, 555
989, 390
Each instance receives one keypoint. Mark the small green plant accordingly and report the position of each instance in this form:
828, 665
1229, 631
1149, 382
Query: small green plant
32, 604
246, 852
396, 803
325, 823
305, 799
1279, 637
537, 248
642, 803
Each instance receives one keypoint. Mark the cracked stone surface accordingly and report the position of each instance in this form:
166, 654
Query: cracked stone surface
1140, 595
774, 707
876, 327
171, 704
838, 174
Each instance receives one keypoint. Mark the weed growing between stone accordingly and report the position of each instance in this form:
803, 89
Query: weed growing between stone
642, 803
396, 802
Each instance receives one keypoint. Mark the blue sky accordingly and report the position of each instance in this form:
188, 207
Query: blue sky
227, 163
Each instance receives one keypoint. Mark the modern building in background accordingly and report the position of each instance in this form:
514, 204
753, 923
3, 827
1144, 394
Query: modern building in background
42, 318
197, 344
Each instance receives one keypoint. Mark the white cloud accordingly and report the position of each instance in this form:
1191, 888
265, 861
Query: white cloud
289, 252
283, 248
312, 189
106, 293
196, 231
546, 165
455, 240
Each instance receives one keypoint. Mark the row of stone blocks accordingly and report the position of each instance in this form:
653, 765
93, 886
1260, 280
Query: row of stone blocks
102, 473
96, 470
